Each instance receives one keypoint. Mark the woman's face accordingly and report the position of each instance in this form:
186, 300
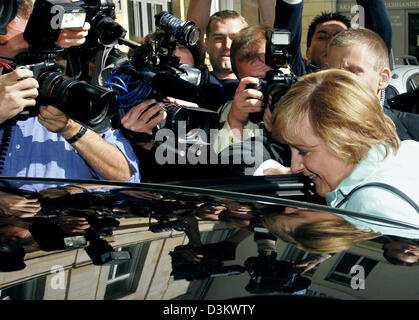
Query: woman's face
314, 159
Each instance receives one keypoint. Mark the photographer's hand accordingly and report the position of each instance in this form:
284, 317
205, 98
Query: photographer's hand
245, 101
11, 204
139, 121
71, 224
307, 265
73, 37
103, 157
53, 119
178, 102
17, 90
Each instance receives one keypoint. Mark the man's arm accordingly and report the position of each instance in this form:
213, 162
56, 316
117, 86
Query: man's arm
104, 158
289, 15
378, 19
199, 12
267, 11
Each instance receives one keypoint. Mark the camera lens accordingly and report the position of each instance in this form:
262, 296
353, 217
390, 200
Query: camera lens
192, 35
80, 100
185, 31
107, 30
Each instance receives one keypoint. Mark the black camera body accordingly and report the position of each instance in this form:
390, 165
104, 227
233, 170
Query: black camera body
47, 20
268, 275
210, 266
154, 71
276, 83
47, 232
103, 28
93, 105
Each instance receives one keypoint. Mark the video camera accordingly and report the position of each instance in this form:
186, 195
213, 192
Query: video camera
154, 71
82, 101
268, 275
276, 83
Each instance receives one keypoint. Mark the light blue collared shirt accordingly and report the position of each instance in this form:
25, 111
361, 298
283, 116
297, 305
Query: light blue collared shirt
400, 171
34, 151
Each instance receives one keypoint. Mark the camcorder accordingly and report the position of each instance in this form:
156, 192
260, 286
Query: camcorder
210, 266
269, 275
276, 83
154, 71
88, 103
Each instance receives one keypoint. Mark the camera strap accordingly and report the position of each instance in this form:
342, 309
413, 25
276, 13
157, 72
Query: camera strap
383, 186
5, 65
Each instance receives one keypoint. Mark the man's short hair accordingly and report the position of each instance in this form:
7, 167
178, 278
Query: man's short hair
325, 17
246, 44
222, 16
25, 8
368, 38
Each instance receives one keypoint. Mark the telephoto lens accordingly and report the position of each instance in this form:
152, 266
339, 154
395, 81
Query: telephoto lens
185, 32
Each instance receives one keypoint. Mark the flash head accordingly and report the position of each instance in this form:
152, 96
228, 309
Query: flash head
277, 43
48, 18
280, 37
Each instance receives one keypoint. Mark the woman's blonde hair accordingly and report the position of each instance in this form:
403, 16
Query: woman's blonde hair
319, 237
343, 112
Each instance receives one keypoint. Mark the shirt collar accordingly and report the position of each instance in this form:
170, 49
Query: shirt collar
361, 172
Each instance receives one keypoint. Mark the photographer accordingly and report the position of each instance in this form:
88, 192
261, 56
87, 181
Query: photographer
219, 81
52, 144
248, 62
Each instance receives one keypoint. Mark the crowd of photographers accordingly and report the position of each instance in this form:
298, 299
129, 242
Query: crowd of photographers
229, 110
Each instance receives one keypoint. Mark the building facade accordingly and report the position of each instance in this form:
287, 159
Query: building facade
137, 17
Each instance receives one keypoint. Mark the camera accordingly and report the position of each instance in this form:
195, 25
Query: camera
276, 83
185, 32
93, 105
154, 71
103, 28
47, 232
168, 225
11, 256
210, 266
268, 275
50, 237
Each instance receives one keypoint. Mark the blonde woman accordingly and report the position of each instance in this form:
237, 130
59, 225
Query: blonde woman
341, 139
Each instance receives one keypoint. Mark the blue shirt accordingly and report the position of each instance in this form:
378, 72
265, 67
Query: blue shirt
217, 92
400, 171
34, 151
